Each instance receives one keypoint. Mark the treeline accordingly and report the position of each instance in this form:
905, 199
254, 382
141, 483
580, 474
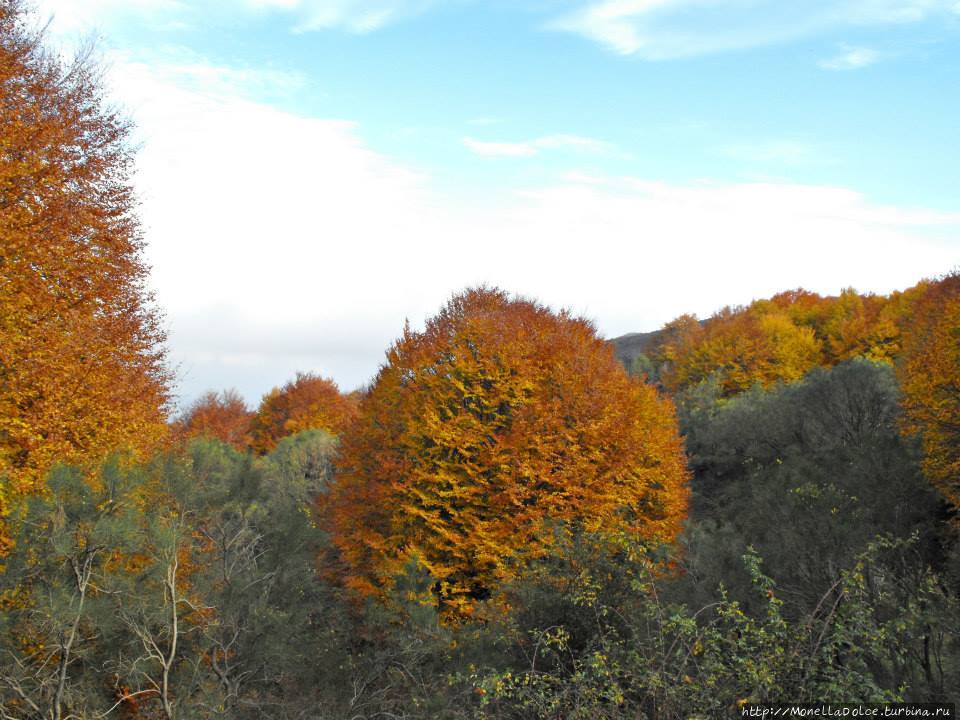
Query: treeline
504, 524
816, 565
781, 339
308, 402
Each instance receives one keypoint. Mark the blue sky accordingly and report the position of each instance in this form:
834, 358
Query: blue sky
315, 171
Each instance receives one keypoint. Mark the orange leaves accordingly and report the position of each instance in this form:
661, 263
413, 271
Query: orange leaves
930, 381
307, 402
82, 369
223, 416
499, 425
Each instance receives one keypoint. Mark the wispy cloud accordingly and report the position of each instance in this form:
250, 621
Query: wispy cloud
665, 29
79, 16
356, 16
282, 242
189, 70
652, 29
852, 58
532, 147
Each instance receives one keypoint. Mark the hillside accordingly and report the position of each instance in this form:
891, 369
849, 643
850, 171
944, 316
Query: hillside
628, 347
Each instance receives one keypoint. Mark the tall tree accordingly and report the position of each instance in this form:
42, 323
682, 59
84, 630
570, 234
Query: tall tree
82, 369
498, 426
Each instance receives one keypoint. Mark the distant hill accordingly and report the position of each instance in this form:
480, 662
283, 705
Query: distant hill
628, 347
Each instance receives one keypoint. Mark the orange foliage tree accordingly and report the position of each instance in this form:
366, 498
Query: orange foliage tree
781, 338
742, 347
309, 401
854, 325
82, 369
498, 426
930, 381
222, 415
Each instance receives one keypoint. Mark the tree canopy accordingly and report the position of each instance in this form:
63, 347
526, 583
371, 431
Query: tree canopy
779, 339
930, 378
82, 367
497, 427
306, 402
221, 415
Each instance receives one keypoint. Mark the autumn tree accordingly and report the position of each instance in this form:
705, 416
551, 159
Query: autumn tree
222, 415
743, 347
930, 379
496, 430
855, 325
307, 402
82, 369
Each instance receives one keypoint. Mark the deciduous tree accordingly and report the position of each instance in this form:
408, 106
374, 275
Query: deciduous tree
744, 347
222, 415
308, 402
82, 369
499, 426
930, 379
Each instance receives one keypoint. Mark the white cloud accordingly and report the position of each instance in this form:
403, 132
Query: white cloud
276, 220
852, 58
653, 29
281, 242
532, 147
665, 29
80, 16
357, 16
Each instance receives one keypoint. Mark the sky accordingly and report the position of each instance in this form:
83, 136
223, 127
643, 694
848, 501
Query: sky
313, 173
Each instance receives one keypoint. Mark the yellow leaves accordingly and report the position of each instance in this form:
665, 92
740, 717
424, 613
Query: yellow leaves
481, 434
780, 339
930, 380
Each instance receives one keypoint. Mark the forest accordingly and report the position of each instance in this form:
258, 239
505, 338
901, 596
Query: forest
507, 522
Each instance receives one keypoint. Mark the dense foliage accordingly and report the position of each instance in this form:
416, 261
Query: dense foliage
808, 473
222, 415
780, 339
181, 588
486, 437
188, 588
767, 516
307, 402
930, 374
81, 364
